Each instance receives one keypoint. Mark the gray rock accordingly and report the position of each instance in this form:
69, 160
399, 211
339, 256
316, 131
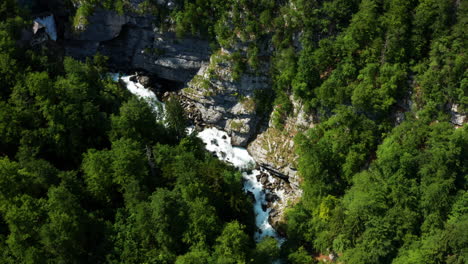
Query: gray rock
271, 197
264, 179
275, 149
458, 117
226, 103
103, 25
144, 80
130, 43
258, 177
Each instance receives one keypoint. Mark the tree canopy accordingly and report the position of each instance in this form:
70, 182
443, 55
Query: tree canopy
89, 175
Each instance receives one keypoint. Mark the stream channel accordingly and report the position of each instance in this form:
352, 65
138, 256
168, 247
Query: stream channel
218, 142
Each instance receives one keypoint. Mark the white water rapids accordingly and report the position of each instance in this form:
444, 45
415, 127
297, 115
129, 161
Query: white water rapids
218, 142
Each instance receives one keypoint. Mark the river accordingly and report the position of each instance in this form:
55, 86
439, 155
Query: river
219, 143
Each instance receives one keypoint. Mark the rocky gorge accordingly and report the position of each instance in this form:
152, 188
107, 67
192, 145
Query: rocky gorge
208, 131
208, 88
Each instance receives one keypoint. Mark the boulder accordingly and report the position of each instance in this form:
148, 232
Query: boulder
258, 177
264, 179
271, 197
144, 80
458, 117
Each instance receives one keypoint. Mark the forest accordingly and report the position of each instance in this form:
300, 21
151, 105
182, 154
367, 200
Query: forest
89, 175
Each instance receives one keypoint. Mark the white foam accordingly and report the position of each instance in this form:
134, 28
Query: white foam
141, 92
190, 129
219, 142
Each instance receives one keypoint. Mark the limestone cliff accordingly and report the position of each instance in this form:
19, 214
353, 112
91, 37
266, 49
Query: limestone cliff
224, 101
275, 147
133, 41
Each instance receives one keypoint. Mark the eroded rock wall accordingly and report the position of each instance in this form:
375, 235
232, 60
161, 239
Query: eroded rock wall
133, 41
226, 102
275, 147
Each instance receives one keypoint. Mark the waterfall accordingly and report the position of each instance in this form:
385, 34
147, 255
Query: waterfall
219, 143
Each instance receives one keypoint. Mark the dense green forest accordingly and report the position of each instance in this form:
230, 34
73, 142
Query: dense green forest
87, 175
373, 192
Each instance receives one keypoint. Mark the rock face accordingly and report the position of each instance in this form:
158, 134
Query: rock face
458, 117
133, 41
213, 97
217, 99
275, 147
